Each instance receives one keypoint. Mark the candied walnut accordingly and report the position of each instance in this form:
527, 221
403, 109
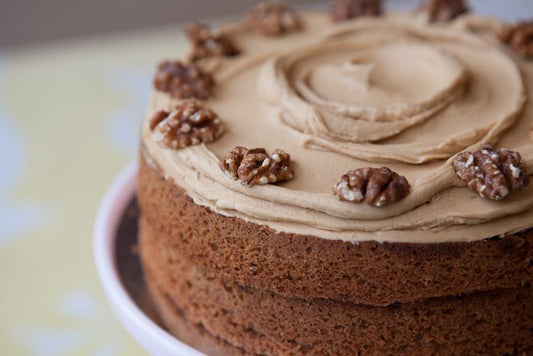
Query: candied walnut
189, 124
342, 10
519, 38
183, 81
273, 19
376, 186
254, 166
208, 41
491, 173
443, 10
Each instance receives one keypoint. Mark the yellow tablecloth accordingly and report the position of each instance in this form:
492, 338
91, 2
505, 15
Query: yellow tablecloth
69, 117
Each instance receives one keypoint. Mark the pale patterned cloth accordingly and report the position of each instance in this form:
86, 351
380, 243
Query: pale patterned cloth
69, 118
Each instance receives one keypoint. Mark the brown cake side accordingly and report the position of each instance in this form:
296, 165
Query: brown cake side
236, 319
309, 267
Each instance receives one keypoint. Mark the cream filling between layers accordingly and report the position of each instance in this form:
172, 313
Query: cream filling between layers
334, 102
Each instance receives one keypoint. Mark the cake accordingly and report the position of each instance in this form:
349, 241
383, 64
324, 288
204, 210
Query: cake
343, 183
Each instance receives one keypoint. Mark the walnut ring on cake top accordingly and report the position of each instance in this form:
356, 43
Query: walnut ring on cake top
370, 92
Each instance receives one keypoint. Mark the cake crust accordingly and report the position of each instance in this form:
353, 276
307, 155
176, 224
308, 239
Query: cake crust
232, 319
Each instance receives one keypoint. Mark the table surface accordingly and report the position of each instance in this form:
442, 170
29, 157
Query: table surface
69, 118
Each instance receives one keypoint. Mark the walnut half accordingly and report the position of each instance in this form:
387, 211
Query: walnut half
519, 38
491, 173
341, 10
183, 81
209, 41
376, 186
255, 166
443, 10
273, 19
189, 124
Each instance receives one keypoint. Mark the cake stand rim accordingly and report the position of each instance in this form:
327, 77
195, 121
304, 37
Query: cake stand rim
145, 331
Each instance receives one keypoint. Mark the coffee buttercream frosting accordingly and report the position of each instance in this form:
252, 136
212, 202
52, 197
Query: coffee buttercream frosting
388, 91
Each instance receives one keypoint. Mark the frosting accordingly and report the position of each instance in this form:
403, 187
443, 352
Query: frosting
384, 91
